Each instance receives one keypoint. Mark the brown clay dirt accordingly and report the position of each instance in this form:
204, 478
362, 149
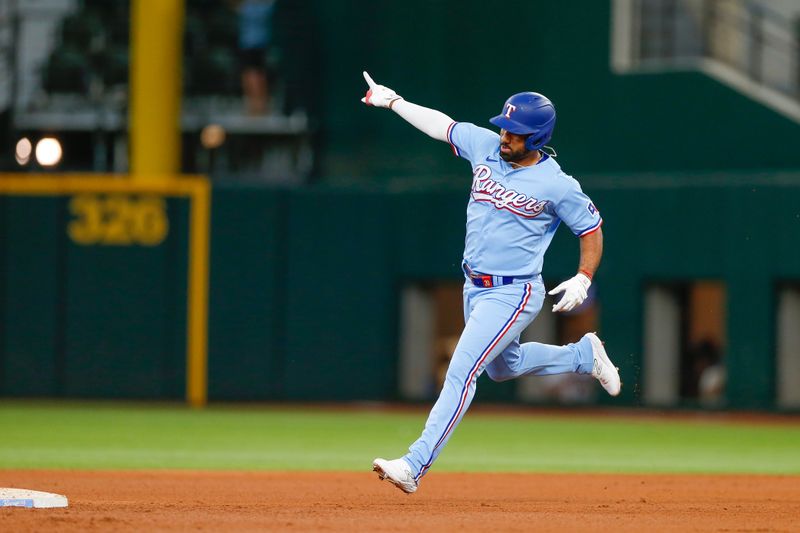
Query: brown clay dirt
325, 501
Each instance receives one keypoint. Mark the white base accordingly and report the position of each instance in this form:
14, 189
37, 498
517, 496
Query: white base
30, 498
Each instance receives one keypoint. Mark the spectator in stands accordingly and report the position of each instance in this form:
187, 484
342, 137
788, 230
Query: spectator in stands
255, 36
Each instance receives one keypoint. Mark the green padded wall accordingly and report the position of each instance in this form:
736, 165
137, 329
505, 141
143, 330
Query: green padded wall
30, 332
89, 321
247, 308
348, 251
305, 285
340, 309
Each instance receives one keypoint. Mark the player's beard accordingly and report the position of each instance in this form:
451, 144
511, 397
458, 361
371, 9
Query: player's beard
515, 156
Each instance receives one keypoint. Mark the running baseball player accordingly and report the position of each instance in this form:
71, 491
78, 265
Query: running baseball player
519, 196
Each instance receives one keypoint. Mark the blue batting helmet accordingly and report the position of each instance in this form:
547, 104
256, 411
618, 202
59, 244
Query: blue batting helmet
530, 114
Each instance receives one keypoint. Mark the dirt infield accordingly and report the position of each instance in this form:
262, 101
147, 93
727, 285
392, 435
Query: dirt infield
227, 501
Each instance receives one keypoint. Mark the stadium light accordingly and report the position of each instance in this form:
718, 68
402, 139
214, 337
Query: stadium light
22, 153
212, 136
48, 152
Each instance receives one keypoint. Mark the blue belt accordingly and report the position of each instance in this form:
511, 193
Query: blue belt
486, 280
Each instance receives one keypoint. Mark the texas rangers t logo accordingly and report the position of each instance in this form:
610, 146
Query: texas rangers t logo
509, 109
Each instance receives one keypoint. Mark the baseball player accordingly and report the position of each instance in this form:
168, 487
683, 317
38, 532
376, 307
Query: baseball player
519, 196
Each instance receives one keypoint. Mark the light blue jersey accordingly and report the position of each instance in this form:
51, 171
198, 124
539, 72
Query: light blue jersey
511, 218
513, 213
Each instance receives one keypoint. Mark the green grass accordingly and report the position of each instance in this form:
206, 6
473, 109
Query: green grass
133, 436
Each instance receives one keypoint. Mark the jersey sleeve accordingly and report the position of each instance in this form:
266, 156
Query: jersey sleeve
470, 141
578, 211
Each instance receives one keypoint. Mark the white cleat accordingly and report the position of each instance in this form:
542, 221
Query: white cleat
604, 370
396, 472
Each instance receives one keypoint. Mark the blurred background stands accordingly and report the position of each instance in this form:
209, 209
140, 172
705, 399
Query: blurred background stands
69, 77
750, 45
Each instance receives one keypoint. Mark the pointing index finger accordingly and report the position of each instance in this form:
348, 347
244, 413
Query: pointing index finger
369, 80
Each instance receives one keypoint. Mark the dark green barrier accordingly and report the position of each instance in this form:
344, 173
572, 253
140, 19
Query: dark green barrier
305, 286
91, 312
348, 252
249, 283
32, 266
341, 300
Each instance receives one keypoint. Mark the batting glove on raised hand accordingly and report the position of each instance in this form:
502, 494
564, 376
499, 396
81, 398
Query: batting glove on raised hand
574, 290
379, 95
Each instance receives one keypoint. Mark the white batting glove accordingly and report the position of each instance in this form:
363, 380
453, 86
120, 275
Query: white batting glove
574, 290
379, 95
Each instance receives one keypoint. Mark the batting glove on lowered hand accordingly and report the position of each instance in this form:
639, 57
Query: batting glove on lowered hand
574, 290
379, 95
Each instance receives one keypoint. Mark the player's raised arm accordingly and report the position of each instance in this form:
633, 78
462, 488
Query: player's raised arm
429, 121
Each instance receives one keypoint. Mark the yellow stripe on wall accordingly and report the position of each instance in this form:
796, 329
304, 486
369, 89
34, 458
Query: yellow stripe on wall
197, 319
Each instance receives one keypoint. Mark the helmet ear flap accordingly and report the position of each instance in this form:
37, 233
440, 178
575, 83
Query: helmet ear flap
534, 142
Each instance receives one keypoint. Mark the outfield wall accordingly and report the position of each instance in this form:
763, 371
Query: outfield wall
305, 286
89, 320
